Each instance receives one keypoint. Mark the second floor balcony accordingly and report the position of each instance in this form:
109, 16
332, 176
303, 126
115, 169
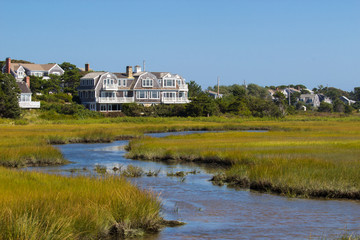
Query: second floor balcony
110, 86
174, 100
116, 99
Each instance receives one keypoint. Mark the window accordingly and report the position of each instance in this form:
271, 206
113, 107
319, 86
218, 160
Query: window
141, 94
154, 94
124, 82
147, 82
81, 94
169, 82
169, 94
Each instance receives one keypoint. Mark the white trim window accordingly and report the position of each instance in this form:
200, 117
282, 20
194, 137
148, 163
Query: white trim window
147, 82
169, 94
141, 94
169, 82
154, 95
124, 82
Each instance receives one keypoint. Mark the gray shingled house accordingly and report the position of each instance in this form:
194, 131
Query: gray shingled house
106, 91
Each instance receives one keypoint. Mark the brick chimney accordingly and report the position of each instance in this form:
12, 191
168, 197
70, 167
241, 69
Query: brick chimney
27, 80
8, 66
129, 72
87, 67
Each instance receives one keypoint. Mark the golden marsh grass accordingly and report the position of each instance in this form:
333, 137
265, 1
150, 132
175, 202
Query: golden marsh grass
312, 159
40, 206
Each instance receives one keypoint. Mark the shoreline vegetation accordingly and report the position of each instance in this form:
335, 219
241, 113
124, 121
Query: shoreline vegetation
297, 157
311, 159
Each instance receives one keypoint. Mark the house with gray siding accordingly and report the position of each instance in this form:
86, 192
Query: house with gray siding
106, 91
22, 70
314, 99
21, 73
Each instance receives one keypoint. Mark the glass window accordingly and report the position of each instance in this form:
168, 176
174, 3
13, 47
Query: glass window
124, 82
169, 83
147, 82
154, 94
141, 94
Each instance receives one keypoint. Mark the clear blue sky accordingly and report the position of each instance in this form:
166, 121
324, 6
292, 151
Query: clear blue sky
267, 42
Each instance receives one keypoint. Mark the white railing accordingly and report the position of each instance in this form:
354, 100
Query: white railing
116, 99
29, 104
183, 87
110, 87
175, 100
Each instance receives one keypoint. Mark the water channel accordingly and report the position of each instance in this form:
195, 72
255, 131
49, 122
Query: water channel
213, 212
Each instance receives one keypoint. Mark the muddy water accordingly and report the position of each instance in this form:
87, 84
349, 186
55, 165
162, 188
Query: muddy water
213, 212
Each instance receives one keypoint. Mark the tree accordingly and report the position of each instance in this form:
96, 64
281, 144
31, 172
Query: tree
280, 101
338, 106
325, 107
71, 77
194, 89
202, 105
257, 91
9, 97
355, 95
238, 91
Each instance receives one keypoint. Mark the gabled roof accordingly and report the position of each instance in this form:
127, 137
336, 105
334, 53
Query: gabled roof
38, 67
93, 74
160, 74
120, 75
23, 87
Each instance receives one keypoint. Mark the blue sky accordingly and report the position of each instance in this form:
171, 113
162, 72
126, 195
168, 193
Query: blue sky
266, 42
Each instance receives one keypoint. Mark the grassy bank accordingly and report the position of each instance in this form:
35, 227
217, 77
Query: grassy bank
41, 206
296, 158
29, 144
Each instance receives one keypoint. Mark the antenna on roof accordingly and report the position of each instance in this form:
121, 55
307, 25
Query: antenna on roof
144, 65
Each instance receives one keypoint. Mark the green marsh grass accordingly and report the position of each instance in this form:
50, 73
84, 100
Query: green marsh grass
311, 159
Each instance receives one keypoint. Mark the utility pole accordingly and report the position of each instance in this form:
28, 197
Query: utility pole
144, 65
218, 90
289, 94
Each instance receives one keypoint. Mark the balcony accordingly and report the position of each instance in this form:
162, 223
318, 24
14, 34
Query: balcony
29, 104
110, 87
168, 100
116, 99
183, 87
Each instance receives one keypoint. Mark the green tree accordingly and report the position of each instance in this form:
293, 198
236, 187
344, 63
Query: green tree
257, 91
71, 78
194, 89
355, 95
202, 105
338, 106
325, 107
9, 97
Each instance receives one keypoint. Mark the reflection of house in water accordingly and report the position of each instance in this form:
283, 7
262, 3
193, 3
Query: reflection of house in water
106, 91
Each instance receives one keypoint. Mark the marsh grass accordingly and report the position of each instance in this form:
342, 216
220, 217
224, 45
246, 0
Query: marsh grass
316, 159
39, 206
132, 171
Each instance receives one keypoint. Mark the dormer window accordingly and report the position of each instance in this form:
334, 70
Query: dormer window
147, 82
169, 82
